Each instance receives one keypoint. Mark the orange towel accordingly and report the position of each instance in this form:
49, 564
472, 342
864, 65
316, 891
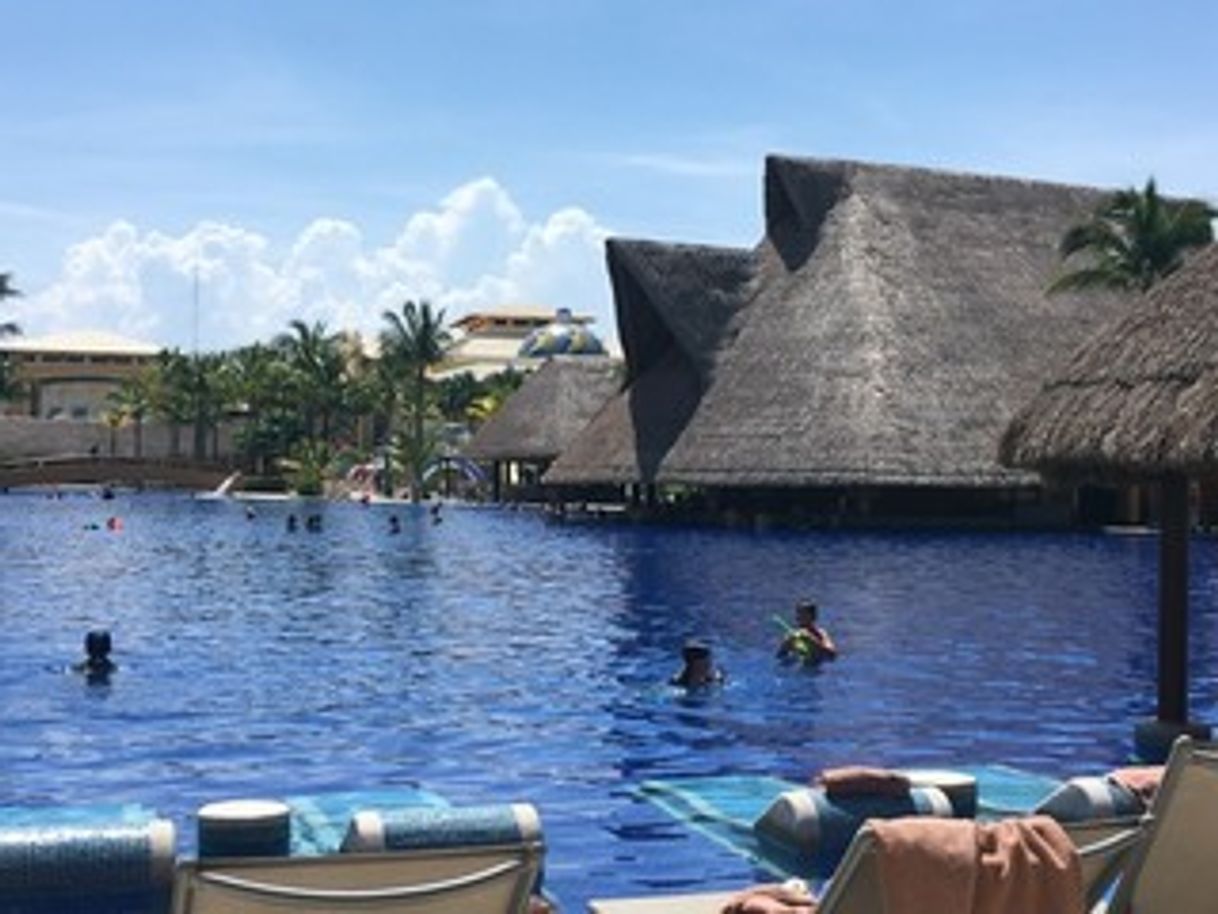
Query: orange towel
857, 779
953, 866
1141, 780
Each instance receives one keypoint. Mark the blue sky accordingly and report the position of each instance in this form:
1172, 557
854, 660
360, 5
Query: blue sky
328, 160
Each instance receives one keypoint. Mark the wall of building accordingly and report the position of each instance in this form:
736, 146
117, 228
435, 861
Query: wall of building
24, 437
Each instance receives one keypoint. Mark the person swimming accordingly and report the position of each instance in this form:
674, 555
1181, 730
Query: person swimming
698, 668
807, 641
97, 665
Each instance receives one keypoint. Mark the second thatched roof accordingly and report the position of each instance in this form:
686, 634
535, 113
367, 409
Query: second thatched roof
1140, 398
549, 410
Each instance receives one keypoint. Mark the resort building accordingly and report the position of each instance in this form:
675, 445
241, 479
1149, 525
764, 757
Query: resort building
69, 376
538, 421
488, 342
862, 360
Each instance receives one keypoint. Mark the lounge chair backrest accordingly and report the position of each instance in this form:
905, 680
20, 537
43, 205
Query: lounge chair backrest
1174, 870
126, 868
429, 865
487, 880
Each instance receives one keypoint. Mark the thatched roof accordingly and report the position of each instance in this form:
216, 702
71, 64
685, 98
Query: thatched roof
676, 305
548, 411
1140, 398
894, 321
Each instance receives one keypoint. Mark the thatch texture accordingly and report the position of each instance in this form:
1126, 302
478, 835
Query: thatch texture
676, 308
1140, 398
893, 322
548, 410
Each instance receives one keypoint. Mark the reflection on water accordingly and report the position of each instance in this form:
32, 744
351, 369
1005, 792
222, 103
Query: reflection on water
498, 657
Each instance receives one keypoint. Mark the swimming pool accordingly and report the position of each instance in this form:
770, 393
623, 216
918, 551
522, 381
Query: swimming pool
497, 656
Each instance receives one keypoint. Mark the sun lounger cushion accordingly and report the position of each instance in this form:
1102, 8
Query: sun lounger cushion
1086, 798
125, 868
810, 823
431, 828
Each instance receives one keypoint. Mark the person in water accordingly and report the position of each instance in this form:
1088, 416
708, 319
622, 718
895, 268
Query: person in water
97, 665
698, 667
807, 641
395, 525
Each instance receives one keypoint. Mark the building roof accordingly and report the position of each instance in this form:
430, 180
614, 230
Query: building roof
1140, 397
883, 332
548, 410
83, 342
675, 306
528, 316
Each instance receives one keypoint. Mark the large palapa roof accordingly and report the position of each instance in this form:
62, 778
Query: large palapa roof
892, 322
548, 410
1140, 398
676, 305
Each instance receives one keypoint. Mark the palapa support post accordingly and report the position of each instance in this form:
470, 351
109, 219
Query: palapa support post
1153, 738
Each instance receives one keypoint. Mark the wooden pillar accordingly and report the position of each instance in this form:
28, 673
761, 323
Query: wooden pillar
1173, 600
496, 481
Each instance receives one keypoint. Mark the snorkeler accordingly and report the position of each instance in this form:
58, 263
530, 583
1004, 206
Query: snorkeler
807, 641
698, 667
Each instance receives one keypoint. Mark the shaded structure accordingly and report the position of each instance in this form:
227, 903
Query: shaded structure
541, 418
1139, 401
864, 357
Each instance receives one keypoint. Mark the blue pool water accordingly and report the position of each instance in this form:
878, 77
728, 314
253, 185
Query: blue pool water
498, 656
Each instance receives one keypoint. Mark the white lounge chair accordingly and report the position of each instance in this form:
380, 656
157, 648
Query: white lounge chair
473, 878
1174, 869
855, 889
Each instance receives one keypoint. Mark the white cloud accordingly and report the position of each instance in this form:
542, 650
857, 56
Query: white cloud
475, 250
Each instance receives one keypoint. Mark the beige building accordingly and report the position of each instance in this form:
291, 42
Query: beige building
488, 342
69, 376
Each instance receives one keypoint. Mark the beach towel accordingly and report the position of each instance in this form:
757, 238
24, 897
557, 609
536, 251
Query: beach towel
948, 866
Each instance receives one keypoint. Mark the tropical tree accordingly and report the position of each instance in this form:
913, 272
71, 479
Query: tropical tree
494, 392
174, 395
9, 388
317, 361
412, 342
1133, 240
7, 290
134, 400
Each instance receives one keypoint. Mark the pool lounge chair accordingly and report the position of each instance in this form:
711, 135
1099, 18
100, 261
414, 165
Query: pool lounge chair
1174, 869
387, 867
1103, 849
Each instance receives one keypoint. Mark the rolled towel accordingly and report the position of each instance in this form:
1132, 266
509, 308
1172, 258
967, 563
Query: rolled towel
859, 780
1141, 780
1086, 798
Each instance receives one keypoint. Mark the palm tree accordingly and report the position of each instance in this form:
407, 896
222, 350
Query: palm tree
414, 341
9, 388
174, 399
133, 400
318, 362
8, 328
1133, 240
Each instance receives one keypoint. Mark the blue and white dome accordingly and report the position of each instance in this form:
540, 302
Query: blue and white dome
563, 336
